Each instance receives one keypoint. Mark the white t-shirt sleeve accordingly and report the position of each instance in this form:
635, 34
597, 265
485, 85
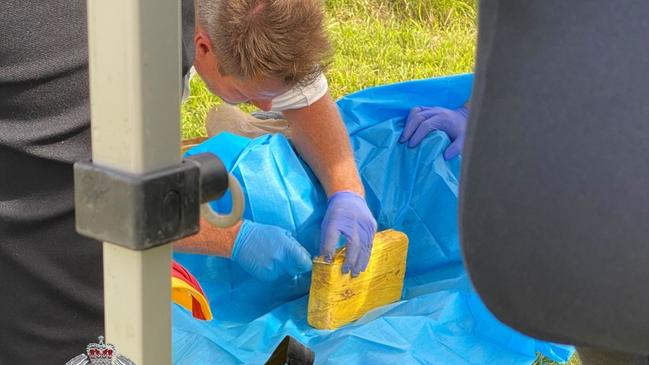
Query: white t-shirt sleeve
301, 96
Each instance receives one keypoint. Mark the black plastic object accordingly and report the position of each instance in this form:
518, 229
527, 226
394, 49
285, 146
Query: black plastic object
213, 176
555, 179
291, 352
144, 211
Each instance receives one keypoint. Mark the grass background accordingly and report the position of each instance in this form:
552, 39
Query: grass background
379, 42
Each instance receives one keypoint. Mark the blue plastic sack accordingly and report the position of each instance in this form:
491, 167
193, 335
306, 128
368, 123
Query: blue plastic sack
440, 320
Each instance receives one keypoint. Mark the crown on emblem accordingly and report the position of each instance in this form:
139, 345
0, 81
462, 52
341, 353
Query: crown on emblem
100, 353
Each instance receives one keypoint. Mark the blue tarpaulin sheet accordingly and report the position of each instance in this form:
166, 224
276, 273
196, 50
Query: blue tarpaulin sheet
440, 320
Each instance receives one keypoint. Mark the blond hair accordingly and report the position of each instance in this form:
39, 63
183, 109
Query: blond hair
262, 39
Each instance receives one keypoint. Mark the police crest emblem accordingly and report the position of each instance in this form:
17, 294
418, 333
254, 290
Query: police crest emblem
100, 354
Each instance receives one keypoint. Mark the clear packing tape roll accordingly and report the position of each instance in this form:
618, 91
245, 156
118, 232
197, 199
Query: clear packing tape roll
238, 202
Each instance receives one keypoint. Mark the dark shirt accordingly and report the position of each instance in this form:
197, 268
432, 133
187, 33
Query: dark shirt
50, 277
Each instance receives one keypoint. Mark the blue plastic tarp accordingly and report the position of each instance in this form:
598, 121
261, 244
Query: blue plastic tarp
440, 319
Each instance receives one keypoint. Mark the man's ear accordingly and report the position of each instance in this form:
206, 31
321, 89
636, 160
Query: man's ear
202, 44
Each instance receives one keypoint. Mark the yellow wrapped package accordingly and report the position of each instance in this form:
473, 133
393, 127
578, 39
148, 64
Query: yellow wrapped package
337, 299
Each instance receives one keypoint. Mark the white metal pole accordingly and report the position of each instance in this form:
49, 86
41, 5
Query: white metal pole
134, 51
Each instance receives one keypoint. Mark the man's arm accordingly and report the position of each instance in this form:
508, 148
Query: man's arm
320, 138
210, 240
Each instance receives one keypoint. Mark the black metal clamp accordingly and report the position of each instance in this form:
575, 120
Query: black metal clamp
144, 211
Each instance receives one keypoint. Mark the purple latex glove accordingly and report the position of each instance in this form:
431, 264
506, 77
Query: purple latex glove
423, 120
267, 252
348, 215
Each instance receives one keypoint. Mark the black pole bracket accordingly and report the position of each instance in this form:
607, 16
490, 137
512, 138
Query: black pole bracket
145, 211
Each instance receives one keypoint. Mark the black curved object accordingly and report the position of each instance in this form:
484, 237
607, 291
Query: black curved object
555, 179
291, 352
213, 176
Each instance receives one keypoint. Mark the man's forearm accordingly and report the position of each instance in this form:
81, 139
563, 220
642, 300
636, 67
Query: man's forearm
210, 240
321, 139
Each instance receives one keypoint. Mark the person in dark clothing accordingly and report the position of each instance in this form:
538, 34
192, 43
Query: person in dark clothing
50, 277
533, 58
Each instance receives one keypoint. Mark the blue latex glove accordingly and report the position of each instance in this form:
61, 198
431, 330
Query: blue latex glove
348, 215
423, 120
267, 252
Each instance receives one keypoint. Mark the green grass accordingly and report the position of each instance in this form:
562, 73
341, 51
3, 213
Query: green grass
383, 41
379, 42
542, 360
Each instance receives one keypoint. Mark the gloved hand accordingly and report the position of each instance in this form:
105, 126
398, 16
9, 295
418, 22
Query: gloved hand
348, 215
266, 252
423, 120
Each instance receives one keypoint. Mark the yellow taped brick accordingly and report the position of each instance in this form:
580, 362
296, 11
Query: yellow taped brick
337, 299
